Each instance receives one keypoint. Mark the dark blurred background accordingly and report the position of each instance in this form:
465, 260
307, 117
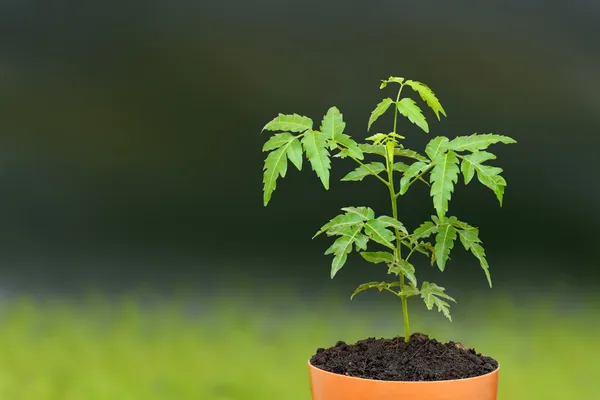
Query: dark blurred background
130, 143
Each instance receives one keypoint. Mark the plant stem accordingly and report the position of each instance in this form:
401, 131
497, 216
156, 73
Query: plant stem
396, 107
398, 250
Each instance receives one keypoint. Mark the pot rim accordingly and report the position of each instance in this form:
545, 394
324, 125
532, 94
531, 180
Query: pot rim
404, 382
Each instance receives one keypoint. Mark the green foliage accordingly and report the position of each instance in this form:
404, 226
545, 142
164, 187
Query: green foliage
433, 294
358, 227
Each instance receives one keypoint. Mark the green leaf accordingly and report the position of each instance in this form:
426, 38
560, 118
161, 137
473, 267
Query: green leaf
444, 242
366, 213
294, 153
412, 171
376, 138
436, 146
409, 291
275, 166
377, 257
292, 123
410, 154
425, 230
443, 177
379, 110
477, 142
487, 175
333, 123
400, 167
372, 149
428, 96
352, 148
343, 246
374, 285
405, 268
467, 167
389, 221
378, 232
315, 146
433, 294
339, 223
278, 140
479, 252
411, 110
359, 173
391, 79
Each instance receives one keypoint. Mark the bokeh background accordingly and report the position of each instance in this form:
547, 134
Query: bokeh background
137, 260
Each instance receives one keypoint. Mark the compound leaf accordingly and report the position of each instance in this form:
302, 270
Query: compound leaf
426, 229
443, 177
403, 267
467, 167
275, 166
411, 110
294, 153
278, 140
366, 213
339, 223
315, 146
410, 154
291, 123
374, 285
333, 123
351, 147
343, 246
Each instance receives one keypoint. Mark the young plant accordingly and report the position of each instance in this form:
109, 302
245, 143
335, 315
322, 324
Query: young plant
358, 226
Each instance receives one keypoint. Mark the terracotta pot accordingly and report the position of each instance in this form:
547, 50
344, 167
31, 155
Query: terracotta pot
328, 386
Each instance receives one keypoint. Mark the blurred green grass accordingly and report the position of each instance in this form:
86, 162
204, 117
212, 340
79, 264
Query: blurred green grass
242, 350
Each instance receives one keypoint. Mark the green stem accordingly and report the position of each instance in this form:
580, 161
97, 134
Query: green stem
398, 250
396, 107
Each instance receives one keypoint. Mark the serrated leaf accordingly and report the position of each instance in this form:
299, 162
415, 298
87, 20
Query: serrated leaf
476, 142
377, 257
391, 79
409, 291
378, 232
275, 166
467, 167
294, 153
443, 177
405, 268
333, 123
379, 111
425, 230
487, 175
359, 173
444, 242
411, 110
412, 171
376, 138
278, 140
479, 252
343, 246
428, 96
315, 146
287, 122
391, 222
433, 294
372, 149
366, 213
352, 148
400, 167
339, 223
374, 285
436, 146
410, 154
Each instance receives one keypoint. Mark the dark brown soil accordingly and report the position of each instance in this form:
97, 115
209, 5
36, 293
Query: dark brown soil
421, 359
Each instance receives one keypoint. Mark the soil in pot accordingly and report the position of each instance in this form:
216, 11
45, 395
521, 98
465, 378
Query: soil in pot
421, 359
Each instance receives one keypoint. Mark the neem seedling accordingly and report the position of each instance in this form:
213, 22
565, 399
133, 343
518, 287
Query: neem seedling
358, 226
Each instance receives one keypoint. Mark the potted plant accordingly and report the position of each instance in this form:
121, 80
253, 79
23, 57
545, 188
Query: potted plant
414, 367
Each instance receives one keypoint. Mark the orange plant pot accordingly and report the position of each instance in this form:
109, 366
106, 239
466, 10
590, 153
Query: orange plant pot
328, 386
